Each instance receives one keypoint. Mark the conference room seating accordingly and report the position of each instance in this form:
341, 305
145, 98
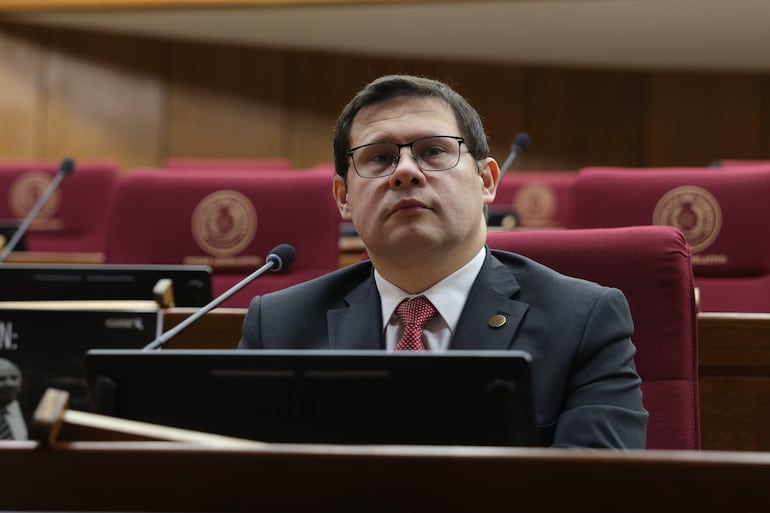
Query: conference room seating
229, 220
275, 164
532, 199
74, 218
720, 212
651, 266
730, 163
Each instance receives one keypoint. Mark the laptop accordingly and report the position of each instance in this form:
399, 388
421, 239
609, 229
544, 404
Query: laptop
334, 397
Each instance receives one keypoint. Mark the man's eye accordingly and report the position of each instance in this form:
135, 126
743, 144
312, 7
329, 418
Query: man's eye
381, 158
433, 151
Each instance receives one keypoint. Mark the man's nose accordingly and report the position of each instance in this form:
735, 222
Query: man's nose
407, 169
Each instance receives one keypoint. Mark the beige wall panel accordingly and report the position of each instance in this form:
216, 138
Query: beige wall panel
105, 98
580, 118
138, 100
694, 119
320, 85
22, 62
496, 93
226, 102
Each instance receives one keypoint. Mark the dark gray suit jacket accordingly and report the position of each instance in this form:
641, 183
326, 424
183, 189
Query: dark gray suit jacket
586, 389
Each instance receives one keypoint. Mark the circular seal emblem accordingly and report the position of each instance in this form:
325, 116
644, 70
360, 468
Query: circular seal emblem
535, 203
694, 210
224, 223
26, 190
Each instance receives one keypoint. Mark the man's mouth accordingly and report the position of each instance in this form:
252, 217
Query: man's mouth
408, 206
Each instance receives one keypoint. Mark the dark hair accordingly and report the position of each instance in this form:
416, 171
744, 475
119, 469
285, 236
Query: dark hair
392, 86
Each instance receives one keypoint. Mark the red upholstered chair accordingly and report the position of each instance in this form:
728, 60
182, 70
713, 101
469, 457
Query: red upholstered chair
729, 163
651, 265
228, 220
274, 164
537, 199
74, 219
720, 212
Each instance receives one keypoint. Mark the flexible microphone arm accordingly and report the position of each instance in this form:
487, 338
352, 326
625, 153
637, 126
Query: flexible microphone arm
66, 167
278, 259
520, 144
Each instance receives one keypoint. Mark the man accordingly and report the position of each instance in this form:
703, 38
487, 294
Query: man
414, 177
12, 426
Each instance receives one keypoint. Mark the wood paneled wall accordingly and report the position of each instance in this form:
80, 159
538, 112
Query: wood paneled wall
140, 100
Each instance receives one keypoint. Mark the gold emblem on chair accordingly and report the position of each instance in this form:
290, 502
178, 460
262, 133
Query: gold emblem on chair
695, 211
224, 223
26, 190
535, 204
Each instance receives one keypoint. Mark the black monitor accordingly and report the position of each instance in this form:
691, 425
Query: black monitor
337, 397
7, 230
28, 282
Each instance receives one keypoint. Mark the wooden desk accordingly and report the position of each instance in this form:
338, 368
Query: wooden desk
351, 250
167, 476
734, 380
734, 370
219, 329
54, 257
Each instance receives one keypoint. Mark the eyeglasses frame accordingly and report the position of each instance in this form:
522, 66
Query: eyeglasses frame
410, 145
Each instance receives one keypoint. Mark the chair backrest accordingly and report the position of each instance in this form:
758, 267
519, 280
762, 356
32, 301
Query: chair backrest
535, 199
731, 163
228, 220
74, 218
651, 266
274, 164
720, 213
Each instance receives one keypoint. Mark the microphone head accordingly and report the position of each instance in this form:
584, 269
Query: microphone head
67, 166
281, 256
520, 142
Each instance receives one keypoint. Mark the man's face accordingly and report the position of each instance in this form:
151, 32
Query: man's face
428, 212
10, 381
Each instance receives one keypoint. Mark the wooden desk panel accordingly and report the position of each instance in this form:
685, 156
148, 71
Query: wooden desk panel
734, 344
54, 257
126, 476
734, 354
220, 329
734, 413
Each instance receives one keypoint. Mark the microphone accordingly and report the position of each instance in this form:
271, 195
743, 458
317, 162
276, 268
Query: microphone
279, 258
66, 167
520, 143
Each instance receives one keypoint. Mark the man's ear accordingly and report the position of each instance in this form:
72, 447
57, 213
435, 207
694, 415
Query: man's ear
489, 172
341, 196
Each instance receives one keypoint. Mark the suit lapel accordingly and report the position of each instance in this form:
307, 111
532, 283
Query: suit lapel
490, 296
359, 325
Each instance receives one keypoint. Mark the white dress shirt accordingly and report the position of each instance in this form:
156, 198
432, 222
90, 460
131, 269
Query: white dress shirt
448, 296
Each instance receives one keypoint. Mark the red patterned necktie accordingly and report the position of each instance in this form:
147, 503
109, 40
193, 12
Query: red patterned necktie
413, 314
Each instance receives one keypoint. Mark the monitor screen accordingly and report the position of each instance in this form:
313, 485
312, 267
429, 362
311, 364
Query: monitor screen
45, 343
7, 231
337, 397
26, 282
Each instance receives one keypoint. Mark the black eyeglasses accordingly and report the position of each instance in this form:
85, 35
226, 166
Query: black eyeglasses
380, 159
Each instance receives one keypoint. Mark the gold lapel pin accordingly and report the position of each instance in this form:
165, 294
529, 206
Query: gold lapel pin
496, 321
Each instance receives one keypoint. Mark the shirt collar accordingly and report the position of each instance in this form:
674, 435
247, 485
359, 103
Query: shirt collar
448, 295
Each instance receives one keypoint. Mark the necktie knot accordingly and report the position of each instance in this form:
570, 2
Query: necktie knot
413, 314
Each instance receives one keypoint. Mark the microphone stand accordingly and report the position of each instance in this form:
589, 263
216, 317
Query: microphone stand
65, 169
274, 261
